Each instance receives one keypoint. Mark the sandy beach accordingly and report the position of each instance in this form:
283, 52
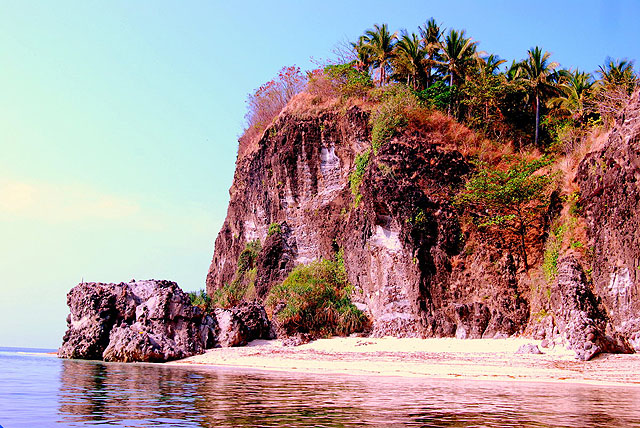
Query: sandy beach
482, 359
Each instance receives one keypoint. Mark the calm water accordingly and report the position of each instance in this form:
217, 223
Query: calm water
41, 391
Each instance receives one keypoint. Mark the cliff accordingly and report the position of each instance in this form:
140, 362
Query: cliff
417, 270
402, 238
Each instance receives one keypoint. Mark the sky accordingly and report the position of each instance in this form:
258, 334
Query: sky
119, 121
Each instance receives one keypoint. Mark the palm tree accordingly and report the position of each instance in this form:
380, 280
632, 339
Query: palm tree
431, 35
381, 43
489, 79
538, 72
364, 58
618, 73
458, 52
513, 72
574, 88
490, 65
410, 57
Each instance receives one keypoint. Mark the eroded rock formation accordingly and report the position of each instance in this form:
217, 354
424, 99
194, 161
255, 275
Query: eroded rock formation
136, 321
609, 181
402, 240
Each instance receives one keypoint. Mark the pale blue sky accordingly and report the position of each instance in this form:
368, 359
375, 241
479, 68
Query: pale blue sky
119, 120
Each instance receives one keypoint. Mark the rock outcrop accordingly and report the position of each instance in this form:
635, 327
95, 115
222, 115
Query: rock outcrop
609, 181
243, 323
136, 321
401, 235
415, 269
582, 323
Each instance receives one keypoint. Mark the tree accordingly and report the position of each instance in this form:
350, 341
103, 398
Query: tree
574, 89
511, 200
431, 34
268, 101
618, 73
380, 43
458, 53
538, 72
409, 59
614, 88
364, 59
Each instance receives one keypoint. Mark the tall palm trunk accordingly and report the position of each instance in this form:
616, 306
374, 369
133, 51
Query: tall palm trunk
537, 119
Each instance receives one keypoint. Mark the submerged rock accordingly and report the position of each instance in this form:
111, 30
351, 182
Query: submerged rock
136, 321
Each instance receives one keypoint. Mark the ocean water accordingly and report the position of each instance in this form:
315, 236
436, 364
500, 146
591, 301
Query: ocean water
37, 390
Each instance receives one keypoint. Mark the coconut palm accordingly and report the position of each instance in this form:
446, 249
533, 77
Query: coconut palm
431, 34
618, 73
574, 88
458, 54
538, 72
381, 43
364, 59
490, 65
410, 55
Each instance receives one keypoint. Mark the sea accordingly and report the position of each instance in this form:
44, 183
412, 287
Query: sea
39, 390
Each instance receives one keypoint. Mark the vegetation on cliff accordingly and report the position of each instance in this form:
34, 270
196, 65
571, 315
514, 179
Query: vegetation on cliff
315, 299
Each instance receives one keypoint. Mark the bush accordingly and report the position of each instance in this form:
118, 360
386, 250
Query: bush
274, 228
348, 79
315, 299
268, 101
391, 114
438, 96
356, 176
243, 280
511, 200
200, 299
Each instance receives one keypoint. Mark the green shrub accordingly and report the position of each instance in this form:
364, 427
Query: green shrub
244, 278
274, 228
357, 175
200, 299
315, 299
248, 256
231, 294
438, 96
552, 252
513, 200
349, 80
390, 115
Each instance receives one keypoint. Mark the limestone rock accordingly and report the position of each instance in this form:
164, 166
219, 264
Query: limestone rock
231, 330
529, 348
243, 323
609, 180
136, 321
580, 318
402, 240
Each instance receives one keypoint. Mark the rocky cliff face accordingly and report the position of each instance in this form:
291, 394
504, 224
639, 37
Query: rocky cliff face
403, 246
609, 181
416, 270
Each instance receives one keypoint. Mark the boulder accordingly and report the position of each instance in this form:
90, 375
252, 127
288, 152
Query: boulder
243, 323
136, 321
231, 331
529, 348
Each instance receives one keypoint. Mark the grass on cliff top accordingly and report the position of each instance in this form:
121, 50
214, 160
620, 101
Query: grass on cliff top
315, 299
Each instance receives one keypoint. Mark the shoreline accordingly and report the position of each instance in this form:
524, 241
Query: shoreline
441, 358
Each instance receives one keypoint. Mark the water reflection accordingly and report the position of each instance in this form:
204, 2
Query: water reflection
146, 395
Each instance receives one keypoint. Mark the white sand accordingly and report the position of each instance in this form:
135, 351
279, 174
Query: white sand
487, 359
